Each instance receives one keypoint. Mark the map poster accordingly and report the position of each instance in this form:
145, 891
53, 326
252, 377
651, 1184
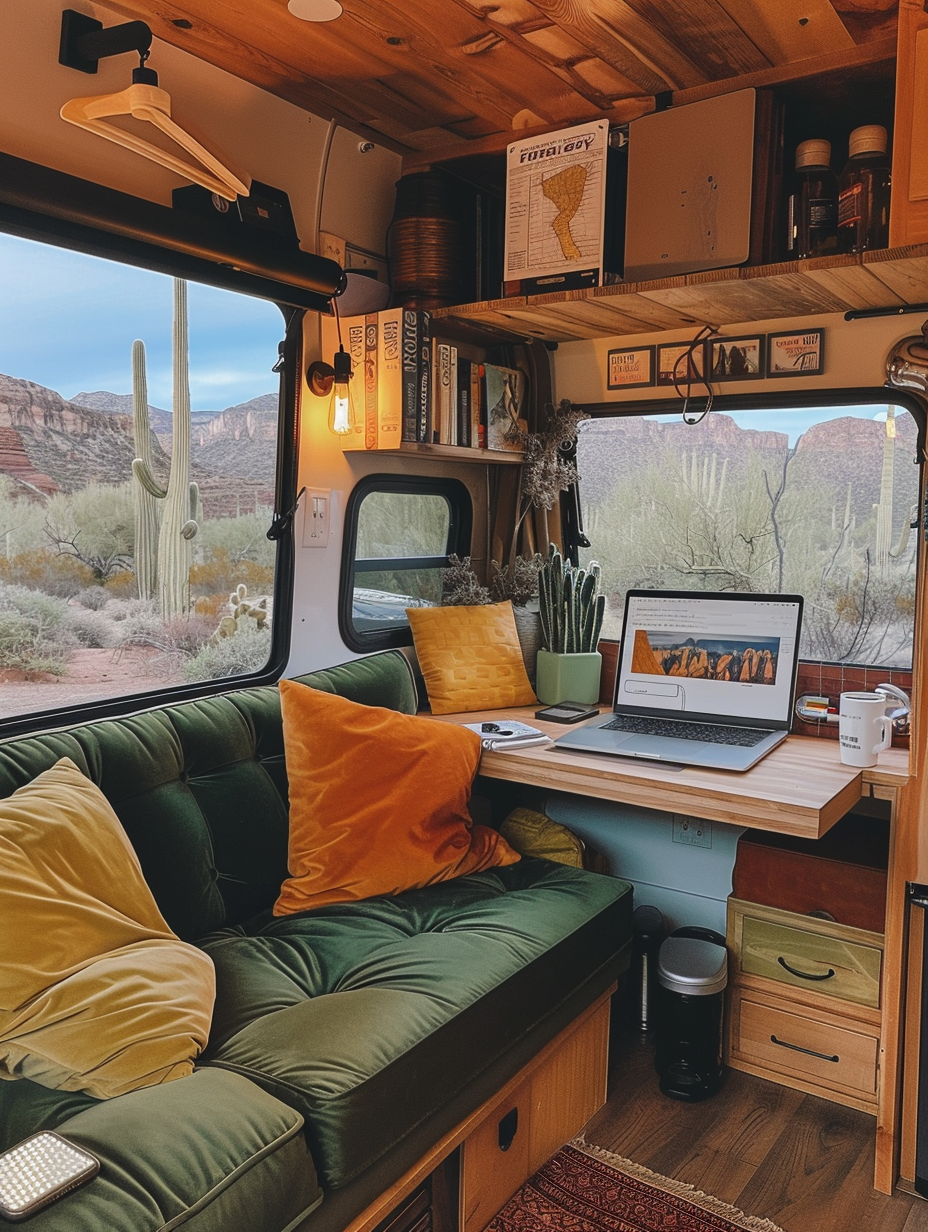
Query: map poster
555, 209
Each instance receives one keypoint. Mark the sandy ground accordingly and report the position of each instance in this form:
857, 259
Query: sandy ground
92, 675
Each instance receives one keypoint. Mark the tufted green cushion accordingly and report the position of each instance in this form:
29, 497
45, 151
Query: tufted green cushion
209, 1152
201, 788
367, 1017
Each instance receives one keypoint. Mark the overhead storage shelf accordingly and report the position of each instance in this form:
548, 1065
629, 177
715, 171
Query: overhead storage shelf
885, 278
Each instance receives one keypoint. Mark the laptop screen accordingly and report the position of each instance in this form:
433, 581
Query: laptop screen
711, 656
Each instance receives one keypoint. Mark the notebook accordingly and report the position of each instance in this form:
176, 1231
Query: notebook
702, 679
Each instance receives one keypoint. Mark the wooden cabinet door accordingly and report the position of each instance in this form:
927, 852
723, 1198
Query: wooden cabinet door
908, 222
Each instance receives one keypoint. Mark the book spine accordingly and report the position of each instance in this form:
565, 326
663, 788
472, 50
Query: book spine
371, 332
424, 377
464, 386
389, 378
445, 416
451, 398
480, 404
410, 351
352, 329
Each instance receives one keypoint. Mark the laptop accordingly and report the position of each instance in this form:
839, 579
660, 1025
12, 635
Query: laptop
702, 679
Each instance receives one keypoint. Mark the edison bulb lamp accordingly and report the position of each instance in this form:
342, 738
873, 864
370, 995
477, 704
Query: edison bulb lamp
334, 383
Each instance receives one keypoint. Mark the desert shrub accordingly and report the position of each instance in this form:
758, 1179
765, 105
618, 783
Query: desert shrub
248, 651
122, 584
240, 538
188, 634
139, 620
95, 525
92, 597
47, 571
221, 574
34, 631
93, 628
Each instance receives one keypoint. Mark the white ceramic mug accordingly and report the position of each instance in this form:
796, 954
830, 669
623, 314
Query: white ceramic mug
864, 729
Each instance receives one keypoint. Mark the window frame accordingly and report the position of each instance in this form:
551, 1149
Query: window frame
289, 365
460, 527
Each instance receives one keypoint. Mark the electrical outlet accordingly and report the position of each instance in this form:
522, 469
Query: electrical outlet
317, 513
692, 831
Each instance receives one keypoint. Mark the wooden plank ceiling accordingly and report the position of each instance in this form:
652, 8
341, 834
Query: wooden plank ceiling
424, 75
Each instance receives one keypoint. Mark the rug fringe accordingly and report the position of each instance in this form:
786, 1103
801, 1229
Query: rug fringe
706, 1202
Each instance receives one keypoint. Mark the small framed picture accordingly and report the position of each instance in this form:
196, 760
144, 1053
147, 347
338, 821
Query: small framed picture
672, 362
631, 368
795, 354
736, 359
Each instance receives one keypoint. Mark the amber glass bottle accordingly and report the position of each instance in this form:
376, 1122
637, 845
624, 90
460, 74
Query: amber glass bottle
863, 192
812, 207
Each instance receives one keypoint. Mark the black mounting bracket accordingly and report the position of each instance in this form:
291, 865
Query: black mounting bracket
84, 41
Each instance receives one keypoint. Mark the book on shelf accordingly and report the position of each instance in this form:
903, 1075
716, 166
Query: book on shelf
424, 378
504, 389
371, 398
390, 382
444, 400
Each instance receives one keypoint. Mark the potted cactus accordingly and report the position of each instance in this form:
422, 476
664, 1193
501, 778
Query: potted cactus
569, 665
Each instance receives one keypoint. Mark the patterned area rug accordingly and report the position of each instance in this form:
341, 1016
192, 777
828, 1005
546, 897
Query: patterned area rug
586, 1189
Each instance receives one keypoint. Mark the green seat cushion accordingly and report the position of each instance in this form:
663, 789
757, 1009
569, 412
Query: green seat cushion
368, 1017
201, 788
210, 1153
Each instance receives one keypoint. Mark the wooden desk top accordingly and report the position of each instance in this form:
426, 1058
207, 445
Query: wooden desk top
801, 788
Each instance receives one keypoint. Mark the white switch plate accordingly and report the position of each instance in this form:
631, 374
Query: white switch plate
317, 514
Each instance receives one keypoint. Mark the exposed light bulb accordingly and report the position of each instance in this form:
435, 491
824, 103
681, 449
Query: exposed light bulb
341, 410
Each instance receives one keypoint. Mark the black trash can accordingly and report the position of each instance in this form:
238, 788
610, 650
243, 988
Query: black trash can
692, 973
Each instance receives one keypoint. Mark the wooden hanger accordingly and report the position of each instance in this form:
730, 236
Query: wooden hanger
151, 103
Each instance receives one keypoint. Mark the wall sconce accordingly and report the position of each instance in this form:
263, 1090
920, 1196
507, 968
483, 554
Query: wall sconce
333, 381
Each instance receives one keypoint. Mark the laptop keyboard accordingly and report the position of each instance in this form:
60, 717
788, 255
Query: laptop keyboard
683, 729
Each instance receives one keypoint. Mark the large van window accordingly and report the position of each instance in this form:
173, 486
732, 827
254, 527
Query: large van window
120, 577
400, 533
815, 500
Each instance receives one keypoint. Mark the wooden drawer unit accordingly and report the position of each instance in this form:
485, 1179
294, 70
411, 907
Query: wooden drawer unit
810, 1050
805, 958
533, 1121
805, 1002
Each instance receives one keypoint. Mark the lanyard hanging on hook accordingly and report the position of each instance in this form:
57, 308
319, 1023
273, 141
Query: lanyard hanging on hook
686, 371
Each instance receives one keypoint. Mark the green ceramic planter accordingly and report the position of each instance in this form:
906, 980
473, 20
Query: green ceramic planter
567, 677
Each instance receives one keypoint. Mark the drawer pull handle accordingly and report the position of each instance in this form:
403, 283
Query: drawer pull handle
804, 975
810, 1052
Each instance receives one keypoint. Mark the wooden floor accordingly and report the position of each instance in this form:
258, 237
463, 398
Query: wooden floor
801, 1161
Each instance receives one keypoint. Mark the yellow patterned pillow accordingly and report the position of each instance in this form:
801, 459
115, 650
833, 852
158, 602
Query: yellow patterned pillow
470, 657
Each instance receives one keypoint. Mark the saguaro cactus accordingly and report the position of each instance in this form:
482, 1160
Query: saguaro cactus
146, 511
181, 498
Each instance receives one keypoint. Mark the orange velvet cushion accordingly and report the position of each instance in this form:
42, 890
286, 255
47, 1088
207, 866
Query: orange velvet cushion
378, 801
470, 657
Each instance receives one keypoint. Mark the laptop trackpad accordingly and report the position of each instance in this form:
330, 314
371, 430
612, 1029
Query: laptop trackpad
664, 748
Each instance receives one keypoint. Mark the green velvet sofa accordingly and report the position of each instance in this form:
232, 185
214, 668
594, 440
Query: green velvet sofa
345, 1041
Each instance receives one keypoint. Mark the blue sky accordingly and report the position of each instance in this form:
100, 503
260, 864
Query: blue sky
68, 321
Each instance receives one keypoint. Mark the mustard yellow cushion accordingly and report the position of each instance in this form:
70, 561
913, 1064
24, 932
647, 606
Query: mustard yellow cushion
378, 801
470, 657
96, 993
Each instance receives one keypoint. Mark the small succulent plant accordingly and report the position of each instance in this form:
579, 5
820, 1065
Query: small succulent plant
572, 607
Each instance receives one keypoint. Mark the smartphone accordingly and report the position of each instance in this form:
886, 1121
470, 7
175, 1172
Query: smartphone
567, 712
40, 1169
